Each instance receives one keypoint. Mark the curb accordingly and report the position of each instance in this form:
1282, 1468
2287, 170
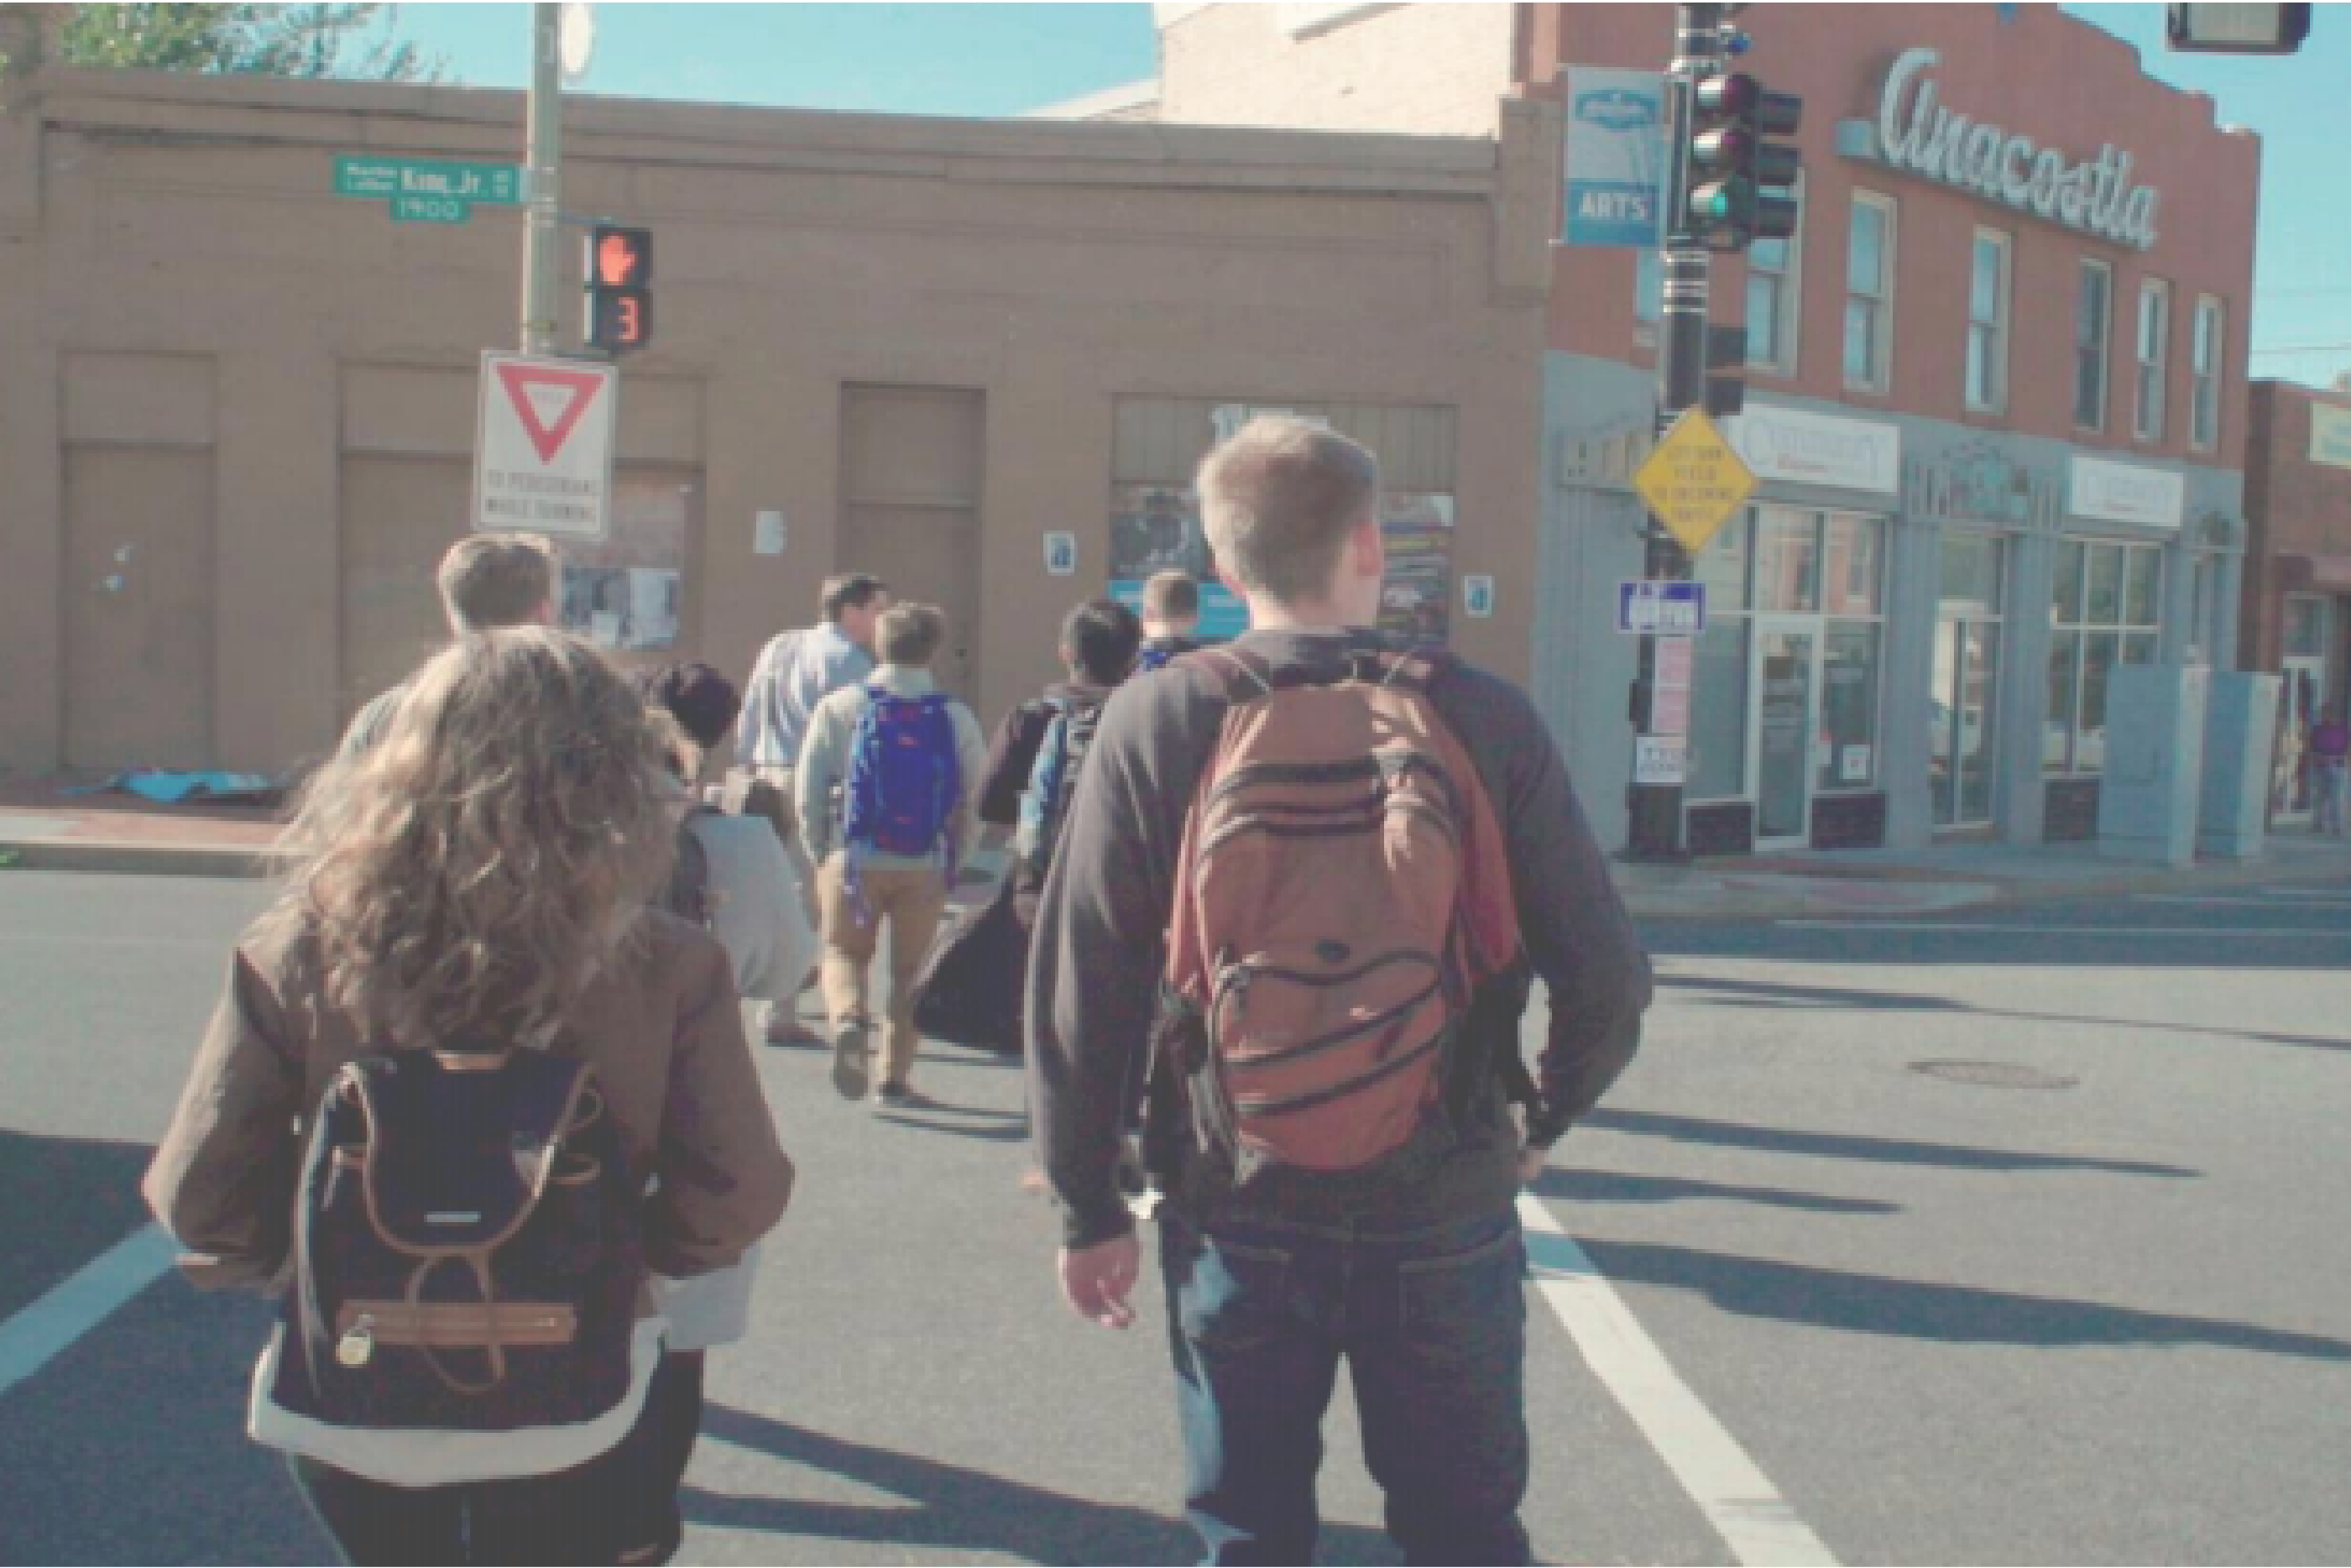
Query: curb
1760, 905
127, 858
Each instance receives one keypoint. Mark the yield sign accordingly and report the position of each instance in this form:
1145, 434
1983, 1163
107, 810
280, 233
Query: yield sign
543, 449
548, 400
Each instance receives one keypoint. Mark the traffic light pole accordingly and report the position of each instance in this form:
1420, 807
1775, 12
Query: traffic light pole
1655, 810
544, 159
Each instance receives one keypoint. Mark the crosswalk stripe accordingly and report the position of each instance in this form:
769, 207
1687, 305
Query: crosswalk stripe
1738, 1501
39, 1333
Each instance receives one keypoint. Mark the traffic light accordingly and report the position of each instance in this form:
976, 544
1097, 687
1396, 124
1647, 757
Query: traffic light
1739, 183
620, 271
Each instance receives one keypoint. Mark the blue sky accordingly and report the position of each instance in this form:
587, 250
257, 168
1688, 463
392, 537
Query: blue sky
979, 59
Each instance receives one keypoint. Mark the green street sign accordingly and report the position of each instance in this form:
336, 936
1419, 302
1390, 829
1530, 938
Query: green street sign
499, 184
430, 210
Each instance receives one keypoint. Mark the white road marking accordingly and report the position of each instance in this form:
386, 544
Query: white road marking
2215, 899
1745, 1508
2198, 932
37, 1335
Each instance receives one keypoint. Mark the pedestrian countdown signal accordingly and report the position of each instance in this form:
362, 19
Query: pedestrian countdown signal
620, 271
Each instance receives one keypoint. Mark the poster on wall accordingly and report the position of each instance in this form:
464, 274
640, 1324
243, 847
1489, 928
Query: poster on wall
1417, 602
627, 591
1616, 157
1156, 529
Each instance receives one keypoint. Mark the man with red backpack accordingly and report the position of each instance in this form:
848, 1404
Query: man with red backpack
1309, 876
884, 786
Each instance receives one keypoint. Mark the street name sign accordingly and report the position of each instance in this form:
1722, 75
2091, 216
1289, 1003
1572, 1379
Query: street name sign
543, 447
1661, 607
428, 190
1693, 482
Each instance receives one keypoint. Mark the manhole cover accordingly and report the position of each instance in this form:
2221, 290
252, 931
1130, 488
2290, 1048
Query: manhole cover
1993, 1074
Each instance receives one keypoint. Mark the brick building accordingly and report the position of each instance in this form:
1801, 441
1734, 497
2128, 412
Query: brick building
2297, 598
1996, 395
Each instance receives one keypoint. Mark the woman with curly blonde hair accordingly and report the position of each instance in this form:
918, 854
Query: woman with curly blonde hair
482, 880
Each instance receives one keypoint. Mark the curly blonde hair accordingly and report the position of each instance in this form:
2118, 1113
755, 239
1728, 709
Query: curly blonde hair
469, 876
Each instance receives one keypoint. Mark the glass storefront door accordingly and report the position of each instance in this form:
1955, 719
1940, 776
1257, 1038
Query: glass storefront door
1961, 726
1787, 699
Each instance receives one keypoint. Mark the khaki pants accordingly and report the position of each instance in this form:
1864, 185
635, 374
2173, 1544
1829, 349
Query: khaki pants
912, 902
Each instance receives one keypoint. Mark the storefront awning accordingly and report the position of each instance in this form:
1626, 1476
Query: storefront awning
2316, 573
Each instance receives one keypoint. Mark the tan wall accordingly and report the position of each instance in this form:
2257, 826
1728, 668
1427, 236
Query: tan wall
1433, 71
198, 328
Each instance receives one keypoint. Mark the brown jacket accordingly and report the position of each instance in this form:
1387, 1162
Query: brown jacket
661, 1027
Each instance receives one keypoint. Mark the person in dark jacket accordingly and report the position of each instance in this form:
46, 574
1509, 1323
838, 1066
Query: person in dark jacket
1098, 639
1418, 1284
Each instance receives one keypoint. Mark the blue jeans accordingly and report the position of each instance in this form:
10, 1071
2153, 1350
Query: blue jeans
1433, 1327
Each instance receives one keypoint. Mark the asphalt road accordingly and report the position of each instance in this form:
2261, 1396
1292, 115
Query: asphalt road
2001, 1236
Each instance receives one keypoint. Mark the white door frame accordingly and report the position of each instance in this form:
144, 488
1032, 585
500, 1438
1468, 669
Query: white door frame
1764, 625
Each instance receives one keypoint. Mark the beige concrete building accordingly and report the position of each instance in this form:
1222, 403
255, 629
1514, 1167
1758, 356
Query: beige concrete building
237, 411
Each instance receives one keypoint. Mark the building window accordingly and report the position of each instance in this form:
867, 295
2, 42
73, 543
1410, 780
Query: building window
2204, 355
2105, 609
1988, 323
1773, 291
1648, 288
2154, 347
2093, 319
1869, 294
1963, 706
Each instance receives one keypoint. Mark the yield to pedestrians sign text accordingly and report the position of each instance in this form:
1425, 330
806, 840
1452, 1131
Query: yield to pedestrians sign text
543, 447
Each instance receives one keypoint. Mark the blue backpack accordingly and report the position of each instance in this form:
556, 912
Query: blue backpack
904, 776
1053, 781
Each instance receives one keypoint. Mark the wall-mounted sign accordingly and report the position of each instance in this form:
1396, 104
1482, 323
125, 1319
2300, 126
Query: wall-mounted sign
2330, 435
1917, 134
1661, 607
768, 533
1061, 554
2121, 493
1789, 447
1660, 759
1477, 597
1616, 157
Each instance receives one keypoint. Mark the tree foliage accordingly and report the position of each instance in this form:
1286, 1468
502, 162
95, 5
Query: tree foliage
351, 40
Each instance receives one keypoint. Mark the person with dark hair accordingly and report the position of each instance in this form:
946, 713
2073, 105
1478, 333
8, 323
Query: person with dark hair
703, 700
1098, 639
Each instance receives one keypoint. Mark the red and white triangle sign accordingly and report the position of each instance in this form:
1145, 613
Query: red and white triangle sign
548, 401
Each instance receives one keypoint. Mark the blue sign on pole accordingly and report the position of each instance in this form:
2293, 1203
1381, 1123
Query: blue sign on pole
1656, 609
1616, 156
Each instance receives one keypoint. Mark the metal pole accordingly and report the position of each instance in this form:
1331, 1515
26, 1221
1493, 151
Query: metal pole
1655, 810
543, 175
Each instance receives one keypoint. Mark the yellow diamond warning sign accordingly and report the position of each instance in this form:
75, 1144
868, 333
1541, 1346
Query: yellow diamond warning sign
1694, 482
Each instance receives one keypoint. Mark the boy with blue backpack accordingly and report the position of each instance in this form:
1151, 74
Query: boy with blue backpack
885, 792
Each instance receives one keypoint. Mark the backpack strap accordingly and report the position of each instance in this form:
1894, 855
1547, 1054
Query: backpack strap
1243, 678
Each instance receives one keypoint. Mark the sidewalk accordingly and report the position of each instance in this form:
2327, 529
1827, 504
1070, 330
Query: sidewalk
43, 830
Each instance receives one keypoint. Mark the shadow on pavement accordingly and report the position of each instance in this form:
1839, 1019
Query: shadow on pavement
1571, 1185
66, 1200
1910, 1309
950, 1508
1856, 1146
1008, 1133
1772, 994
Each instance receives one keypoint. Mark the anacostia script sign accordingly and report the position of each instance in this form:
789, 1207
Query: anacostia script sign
1916, 133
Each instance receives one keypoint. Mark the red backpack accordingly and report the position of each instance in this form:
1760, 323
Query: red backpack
1341, 891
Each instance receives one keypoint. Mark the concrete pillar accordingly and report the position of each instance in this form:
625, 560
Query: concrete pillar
1907, 673
2024, 686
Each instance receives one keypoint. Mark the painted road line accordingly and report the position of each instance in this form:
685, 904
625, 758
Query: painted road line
2271, 904
2201, 933
1745, 1508
41, 1332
